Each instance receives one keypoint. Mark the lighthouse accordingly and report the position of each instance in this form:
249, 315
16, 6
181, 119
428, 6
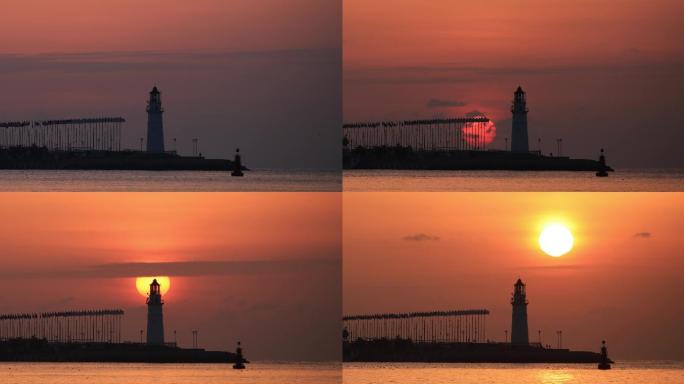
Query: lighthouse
155, 318
519, 140
155, 124
519, 325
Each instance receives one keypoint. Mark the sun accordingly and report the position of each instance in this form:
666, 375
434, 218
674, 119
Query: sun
556, 240
479, 133
142, 284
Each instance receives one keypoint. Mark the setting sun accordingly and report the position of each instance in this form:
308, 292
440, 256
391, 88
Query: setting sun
556, 240
143, 284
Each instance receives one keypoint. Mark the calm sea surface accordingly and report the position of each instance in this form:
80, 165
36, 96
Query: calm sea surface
256, 373
652, 180
662, 372
156, 181
622, 373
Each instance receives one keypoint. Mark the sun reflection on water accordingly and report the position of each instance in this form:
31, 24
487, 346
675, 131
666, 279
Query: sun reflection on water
555, 377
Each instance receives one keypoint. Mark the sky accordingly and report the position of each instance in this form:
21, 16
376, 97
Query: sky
264, 76
597, 74
262, 268
621, 282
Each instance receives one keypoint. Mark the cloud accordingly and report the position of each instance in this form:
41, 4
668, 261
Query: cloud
566, 267
183, 268
439, 103
205, 268
467, 74
66, 300
475, 113
420, 237
125, 61
642, 235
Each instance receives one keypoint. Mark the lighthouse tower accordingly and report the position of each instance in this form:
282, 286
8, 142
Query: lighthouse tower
519, 325
155, 124
519, 141
155, 319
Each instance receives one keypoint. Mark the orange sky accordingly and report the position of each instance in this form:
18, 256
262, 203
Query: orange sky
242, 265
40, 26
433, 251
414, 32
597, 73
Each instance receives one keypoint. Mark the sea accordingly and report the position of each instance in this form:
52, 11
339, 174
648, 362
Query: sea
636, 372
273, 180
623, 372
99, 373
259, 180
622, 180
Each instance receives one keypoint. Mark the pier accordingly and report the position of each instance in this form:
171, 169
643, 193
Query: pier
449, 337
91, 326
454, 326
90, 336
452, 134
85, 134
95, 144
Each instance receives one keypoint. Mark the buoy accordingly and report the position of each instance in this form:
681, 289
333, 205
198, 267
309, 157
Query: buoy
239, 360
602, 172
237, 165
604, 363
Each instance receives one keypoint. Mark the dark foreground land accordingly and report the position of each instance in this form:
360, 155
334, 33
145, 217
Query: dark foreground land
42, 158
407, 158
402, 350
40, 350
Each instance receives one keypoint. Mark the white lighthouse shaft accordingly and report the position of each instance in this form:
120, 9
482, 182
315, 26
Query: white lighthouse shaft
519, 139
155, 318
155, 123
519, 329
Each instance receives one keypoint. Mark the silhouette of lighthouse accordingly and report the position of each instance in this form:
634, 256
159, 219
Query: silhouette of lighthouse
155, 124
155, 319
519, 325
519, 141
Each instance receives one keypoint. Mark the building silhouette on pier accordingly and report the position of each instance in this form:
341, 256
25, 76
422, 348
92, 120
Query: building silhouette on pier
452, 337
95, 336
438, 135
452, 326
